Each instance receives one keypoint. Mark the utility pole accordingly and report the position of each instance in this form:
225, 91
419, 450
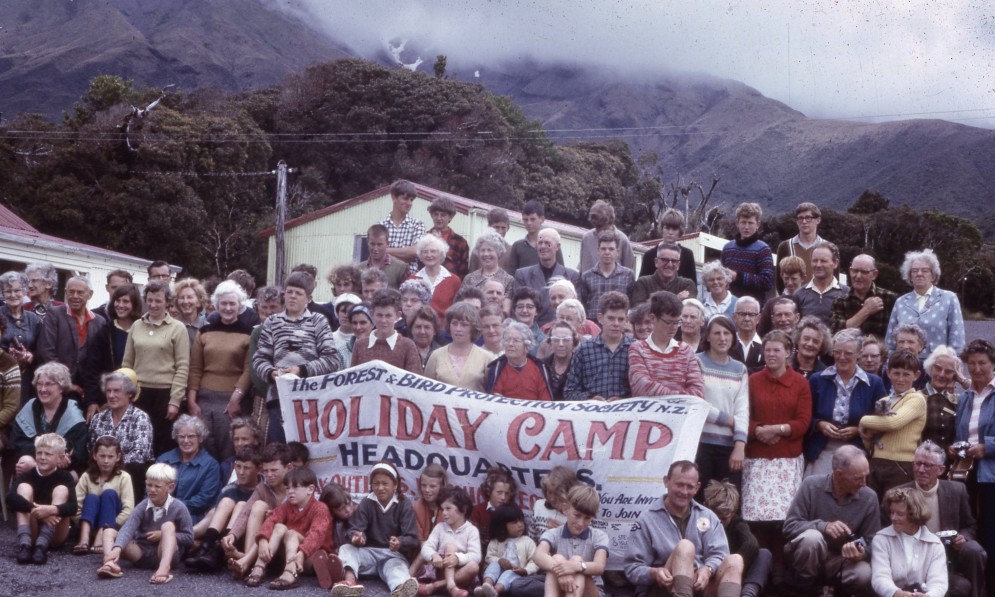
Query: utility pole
281, 216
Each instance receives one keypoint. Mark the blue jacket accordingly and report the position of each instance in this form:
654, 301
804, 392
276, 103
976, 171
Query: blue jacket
823, 386
197, 481
986, 431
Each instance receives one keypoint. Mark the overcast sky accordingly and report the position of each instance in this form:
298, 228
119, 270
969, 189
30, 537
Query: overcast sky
867, 59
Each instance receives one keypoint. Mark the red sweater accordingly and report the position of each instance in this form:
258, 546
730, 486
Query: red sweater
405, 354
664, 374
423, 516
481, 517
314, 522
527, 384
784, 400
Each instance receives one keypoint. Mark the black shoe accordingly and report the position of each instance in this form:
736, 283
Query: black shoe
212, 559
40, 556
24, 554
192, 561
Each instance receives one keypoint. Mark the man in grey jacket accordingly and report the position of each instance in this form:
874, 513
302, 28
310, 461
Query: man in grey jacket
679, 545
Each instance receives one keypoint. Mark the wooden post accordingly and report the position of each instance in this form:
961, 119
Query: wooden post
281, 216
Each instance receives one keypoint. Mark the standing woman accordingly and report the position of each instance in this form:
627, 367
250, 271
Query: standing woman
425, 333
727, 391
191, 300
158, 350
125, 309
23, 326
219, 369
432, 252
415, 294
975, 424
934, 310
269, 300
461, 363
489, 249
693, 319
813, 342
718, 300
491, 329
10, 390
780, 412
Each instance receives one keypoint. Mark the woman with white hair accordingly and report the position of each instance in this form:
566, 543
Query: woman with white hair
198, 476
219, 372
432, 252
488, 250
716, 279
934, 310
43, 282
943, 366
563, 292
516, 373
693, 320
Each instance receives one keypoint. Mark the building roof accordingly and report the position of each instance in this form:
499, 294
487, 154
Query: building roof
463, 205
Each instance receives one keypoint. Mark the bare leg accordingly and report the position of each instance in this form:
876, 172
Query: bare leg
84, 533
98, 539
109, 536
60, 495
291, 547
580, 580
222, 514
167, 547
256, 517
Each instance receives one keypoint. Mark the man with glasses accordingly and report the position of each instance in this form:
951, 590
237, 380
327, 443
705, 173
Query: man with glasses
160, 270
599, 368
866, 306
748, 348
951, 511
661, 365
808, 216
668, 259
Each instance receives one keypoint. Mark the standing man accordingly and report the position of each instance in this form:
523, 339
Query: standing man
668, 259
678, 547
748, 348
115, 280
525, 252
817, 297
607, 275
748, 257
671, 229
602, 217
867, 306
160, 270
395, 269
457, 259
43, 284
784, 315
808, 217
599, 369
539, 276
403, 231
68, 336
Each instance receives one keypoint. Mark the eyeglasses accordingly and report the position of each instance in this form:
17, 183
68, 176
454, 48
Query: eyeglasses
805, 218
668, 261
747, 314
864, 272
560, 339
525, 307
669, 322
920, 270
844, 353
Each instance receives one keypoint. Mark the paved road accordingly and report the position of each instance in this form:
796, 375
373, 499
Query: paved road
984, 328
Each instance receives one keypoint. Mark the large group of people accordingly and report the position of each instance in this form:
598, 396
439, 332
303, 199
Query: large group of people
152, 423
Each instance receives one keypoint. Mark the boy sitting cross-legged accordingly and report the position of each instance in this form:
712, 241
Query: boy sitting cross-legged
44, 497
574, 555
157, 532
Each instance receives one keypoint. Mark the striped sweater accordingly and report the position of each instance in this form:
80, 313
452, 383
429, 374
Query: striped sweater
727, 390
754, 266
654, 373
284, 342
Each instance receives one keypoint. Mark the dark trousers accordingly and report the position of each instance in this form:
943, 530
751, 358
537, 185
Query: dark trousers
275, 429
713, 463
155, 403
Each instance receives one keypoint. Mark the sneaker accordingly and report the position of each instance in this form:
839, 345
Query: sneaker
24, 554
408, 588
348, 588
39, 556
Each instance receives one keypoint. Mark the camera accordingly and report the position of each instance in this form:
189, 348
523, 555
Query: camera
857, 540
947, 537
961, 448
916, 587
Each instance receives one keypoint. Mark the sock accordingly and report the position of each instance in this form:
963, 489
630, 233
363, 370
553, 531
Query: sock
212, 536
729, 589
45, 533
24, 535
683, 586
751, 589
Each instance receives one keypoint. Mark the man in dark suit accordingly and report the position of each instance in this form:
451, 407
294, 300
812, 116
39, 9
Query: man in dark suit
948, 502
538, 277
747, 348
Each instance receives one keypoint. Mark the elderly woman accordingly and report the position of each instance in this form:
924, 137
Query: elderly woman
873, 355
813, 342
158, 350
563, 340
219, 368
432, 252
944, 369
562, 291
693, 318
425, 329
841, 395
641, 320
716, 278
198, 476
488, 249
975, 425
491, 329
525, 309
23, 326
893, 435
934, 310
516, 373
50, 412
130, 425
43, 281
415, 294
461, 363
571, 311
190, 301
906, 558
10, 390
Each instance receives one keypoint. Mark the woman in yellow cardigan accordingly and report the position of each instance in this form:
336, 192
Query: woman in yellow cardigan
894, 431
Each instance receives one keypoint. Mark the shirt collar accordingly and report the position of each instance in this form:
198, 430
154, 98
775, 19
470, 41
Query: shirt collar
926, 294
670, 347
164, 507
834, 285
860, 374
797, 240
567, 535
384, 509
391, 340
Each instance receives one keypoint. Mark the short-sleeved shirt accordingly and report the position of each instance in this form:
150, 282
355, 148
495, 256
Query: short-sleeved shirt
584, 545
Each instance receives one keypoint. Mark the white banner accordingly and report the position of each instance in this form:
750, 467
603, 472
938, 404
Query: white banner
354, 418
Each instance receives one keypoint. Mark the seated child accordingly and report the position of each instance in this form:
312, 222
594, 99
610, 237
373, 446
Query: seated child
265, 497
549, 512
44, 499
244, 434
208, 556
509, 552
299, 455
104, 493
381, 531
570, 555
426, 507
341, 506
302, 525
156, 532
385, 343
453, 547
499, 488
722, 497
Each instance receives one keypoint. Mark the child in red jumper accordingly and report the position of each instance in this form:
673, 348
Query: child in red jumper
499, 488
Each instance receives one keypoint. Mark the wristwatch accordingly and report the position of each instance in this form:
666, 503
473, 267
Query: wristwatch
583, 567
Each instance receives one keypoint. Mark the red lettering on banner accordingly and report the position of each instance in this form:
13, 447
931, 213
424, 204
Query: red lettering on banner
340, 416
469, 429
308, 415
354, 429
514, 431
384, 416
404, 431
439, 419
615, 434
564, 432
643, 442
